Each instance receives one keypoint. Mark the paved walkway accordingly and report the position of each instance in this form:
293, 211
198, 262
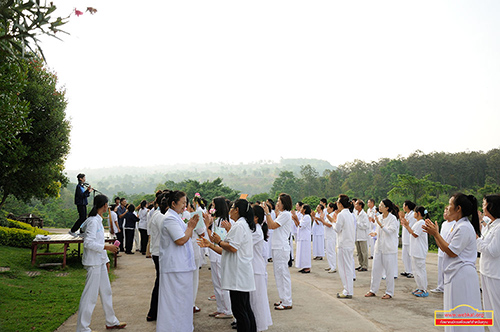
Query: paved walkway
315, 306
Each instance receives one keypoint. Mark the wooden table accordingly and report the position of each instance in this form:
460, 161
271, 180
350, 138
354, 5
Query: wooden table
65, 239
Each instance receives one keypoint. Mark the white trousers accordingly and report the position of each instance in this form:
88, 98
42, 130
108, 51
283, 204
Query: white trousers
406, 258
318, 245
196, 282
97, 283
269, 244
419, 272
383, 262
331, 255
491, 299
371, 243
282, 275
440, 284
346, 269
291, 246
260, 303
463, 289
221, 296
175, 304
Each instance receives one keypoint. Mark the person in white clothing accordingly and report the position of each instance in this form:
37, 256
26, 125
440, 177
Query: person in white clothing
371, 212
419, 247
386, 249
155, 223
113, 221
345, 228
362, 230
446, 227
177, 265
199, 260
236, 262
330, 237
461, 283
408, 208
489, 264
303, 257
143, 226
221, 225
95, 260
258, 298
318, 233
281, 249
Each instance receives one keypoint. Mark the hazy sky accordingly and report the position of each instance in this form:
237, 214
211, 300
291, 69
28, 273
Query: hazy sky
164, 82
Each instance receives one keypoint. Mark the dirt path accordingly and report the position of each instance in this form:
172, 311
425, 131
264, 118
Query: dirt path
315, 306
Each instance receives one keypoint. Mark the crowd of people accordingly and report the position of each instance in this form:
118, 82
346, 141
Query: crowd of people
239, 238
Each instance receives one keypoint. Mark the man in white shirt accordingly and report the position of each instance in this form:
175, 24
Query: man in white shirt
362, 230
371, 212
346, 238
408, 207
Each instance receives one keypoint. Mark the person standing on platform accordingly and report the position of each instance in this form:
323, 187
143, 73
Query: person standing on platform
81, 195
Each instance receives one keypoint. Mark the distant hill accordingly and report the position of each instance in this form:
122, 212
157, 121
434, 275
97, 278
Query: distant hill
250, 178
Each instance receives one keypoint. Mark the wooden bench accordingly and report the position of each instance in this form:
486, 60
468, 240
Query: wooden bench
66, 240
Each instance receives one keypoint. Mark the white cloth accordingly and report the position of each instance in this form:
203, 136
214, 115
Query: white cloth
212, 255
114, 221
93, 242
155, 225
97, 283
491, 299
331, 255
281, 234
383, 262
446, 227
221, 296
143, 218
387, 236
440, 284
345, 229
150, 217
175, 309
258, 262
303, 255
318, 245
346, 269
237, 270
317, 226
489, 247
462, 242
406, 258
363, 226
419, 245
406, 236
282, 275
419, 272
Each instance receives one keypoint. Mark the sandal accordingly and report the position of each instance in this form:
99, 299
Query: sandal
215, 313
277, 303
370, 294
386, 297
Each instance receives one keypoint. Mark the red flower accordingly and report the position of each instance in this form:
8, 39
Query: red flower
78, 13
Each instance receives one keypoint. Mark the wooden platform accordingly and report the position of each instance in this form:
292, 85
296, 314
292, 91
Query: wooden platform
65, 239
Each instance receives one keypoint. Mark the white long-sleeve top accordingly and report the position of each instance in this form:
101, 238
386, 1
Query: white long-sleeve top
387, 236
304, 229
143, 218
489, 247
93, 242
317, 226
362, 226
446, 228
150, 216
406, 236
155, 224
345, 229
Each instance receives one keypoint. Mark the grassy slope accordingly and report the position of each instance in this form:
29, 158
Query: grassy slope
43, 302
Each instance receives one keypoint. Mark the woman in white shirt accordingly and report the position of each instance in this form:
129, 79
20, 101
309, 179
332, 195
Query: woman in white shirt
95, 260
155, 223
303, 257
199, 258
489, 264
419, 247
408, 208
175, 298
258, 298
236, 262
461, 283
221, 296
143, 225
386, 249
330, 238
318, 233
281, 249
446, 227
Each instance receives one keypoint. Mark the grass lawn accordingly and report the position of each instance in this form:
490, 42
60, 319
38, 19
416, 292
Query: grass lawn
42, 302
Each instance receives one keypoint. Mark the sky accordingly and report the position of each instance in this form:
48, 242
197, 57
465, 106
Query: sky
168, 82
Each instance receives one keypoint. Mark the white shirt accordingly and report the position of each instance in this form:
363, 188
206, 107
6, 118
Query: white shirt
175, 258
93, 242
150, 216
143, 218
236, 267
258, 261
317, 227
330, 231
462, 242
446, 227
345, 229
410, 216
155, 225
419, 246
281, 234
489, 247
362, 227
304, 229
114, 220
387, 242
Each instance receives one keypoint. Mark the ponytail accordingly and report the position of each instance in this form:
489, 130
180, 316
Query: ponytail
246, 212
423, 212
99, 202
258, 212
468, 203
392, 209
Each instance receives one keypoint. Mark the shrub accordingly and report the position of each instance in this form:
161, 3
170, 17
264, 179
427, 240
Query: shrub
18, 234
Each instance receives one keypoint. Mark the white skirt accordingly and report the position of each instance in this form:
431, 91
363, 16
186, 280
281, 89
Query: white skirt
175, 302
318, 245
260, 303
491, 299
303, 255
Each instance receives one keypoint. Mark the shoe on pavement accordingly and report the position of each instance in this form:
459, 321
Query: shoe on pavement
212, 298
342, 296
409, 275
196, 309
118, 327
437, 290
332, 271
223, 316
283, 307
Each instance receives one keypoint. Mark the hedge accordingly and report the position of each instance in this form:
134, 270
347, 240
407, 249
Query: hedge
18, 234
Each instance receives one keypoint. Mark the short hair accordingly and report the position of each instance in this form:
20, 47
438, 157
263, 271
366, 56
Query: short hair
410, 205
300, 203
371, 200
117, 198
493, 205
360, 202
286, 201
344, 200
131, 208
80, 176
323, 200
122, 199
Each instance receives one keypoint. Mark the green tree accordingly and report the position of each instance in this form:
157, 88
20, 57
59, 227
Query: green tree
408, 185
287, 183
37, 164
